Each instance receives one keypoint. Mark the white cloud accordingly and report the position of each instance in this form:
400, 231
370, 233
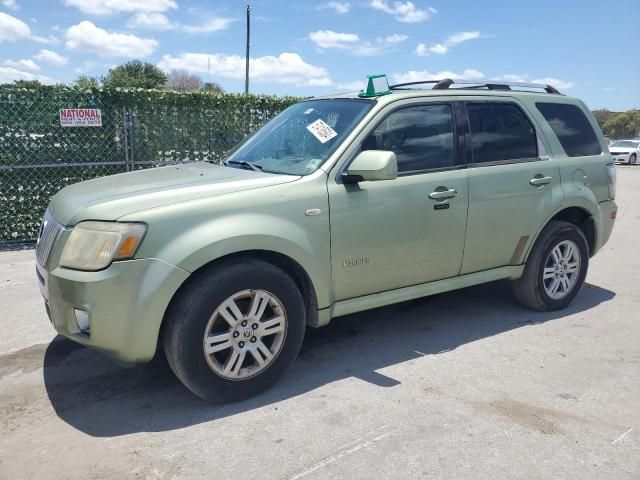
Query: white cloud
520, 78
338, 7
10, 4
395, 38
475, 75
159, 21
48, 40
86, 37
319, 82
423, 50
287, 67
351, 86
51, 57
10, 74
439, 49
405, 12
208, 26
416, 76
12, 29
106, 7
331, 39
561, 84
328, 39
152, 21
24, 64
460, 37
511, 77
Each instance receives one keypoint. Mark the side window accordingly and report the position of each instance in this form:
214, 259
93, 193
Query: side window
500, 131
421, 137
572, 128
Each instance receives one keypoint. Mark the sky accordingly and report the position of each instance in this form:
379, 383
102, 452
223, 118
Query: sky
589, 49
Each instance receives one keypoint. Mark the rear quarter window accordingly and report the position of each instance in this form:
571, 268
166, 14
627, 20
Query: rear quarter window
571, 126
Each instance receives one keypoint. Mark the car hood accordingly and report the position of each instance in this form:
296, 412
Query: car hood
109, 198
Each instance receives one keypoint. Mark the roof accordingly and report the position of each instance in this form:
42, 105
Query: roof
449, 88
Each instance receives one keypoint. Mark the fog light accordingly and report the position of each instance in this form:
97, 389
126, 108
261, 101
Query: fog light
82, 319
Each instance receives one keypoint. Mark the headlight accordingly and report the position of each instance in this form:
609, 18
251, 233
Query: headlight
94, 245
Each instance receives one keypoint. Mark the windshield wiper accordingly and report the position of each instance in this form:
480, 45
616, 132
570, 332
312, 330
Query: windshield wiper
245, 164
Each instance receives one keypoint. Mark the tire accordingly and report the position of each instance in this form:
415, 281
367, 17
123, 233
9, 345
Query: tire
204, 305
632, 159
534, 289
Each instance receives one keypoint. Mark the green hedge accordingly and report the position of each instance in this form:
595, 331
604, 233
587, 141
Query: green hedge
38, 157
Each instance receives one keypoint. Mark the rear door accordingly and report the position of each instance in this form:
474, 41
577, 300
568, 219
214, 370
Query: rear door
514, 186
396, 233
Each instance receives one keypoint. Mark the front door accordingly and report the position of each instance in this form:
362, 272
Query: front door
396, 233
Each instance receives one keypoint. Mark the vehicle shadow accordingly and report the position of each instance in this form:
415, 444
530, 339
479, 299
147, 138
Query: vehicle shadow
103, 399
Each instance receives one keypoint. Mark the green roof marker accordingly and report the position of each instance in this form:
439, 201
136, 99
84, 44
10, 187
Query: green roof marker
376, 86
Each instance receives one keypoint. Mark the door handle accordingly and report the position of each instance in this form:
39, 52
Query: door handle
540, 180
440, 194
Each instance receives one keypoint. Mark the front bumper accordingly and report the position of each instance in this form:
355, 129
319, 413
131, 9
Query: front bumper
621, 157
125, 303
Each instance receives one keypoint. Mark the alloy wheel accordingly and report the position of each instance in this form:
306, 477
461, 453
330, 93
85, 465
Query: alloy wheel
561, 269
245, 334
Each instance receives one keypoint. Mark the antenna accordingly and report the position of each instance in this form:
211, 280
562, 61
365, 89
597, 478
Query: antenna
246, 75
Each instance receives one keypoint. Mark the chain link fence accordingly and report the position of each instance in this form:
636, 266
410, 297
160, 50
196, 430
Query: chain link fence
140, 129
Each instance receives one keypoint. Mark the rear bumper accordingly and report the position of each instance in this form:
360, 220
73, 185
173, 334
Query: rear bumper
125, 303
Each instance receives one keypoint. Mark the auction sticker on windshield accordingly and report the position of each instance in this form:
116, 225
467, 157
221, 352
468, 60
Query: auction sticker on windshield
321, 131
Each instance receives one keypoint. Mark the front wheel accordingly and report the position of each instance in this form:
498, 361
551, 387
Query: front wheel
632, 159
556, 268
234, 330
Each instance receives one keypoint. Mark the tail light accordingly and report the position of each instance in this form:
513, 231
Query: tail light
611, 175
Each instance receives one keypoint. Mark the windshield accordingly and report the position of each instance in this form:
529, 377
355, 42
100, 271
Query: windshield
625, 144
302, 137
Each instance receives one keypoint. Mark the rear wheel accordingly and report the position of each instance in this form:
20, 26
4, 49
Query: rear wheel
235, 330
556, 268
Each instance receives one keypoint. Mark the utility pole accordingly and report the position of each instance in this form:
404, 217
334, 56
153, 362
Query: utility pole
246, 75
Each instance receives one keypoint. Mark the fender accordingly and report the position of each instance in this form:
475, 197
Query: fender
233, 233
586, 204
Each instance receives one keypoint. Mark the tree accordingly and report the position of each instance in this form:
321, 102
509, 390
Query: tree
32, 84
624, 125
212, 87
603, 116
183, 81
87, 83
134, 74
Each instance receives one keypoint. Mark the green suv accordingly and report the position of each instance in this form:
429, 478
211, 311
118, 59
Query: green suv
338, 205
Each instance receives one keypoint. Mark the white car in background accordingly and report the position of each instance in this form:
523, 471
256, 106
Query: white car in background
625, 151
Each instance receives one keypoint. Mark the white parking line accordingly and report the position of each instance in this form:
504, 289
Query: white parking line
347, 449
621, 436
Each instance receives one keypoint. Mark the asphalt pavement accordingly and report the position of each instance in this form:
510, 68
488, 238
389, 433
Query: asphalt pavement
461, 385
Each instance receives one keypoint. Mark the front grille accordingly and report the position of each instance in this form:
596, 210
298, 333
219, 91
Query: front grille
617, 154
46, 238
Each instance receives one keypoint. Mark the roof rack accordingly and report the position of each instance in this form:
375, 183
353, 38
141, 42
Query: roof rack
447, 83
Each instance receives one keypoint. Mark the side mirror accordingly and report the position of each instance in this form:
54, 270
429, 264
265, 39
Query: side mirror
371, 166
